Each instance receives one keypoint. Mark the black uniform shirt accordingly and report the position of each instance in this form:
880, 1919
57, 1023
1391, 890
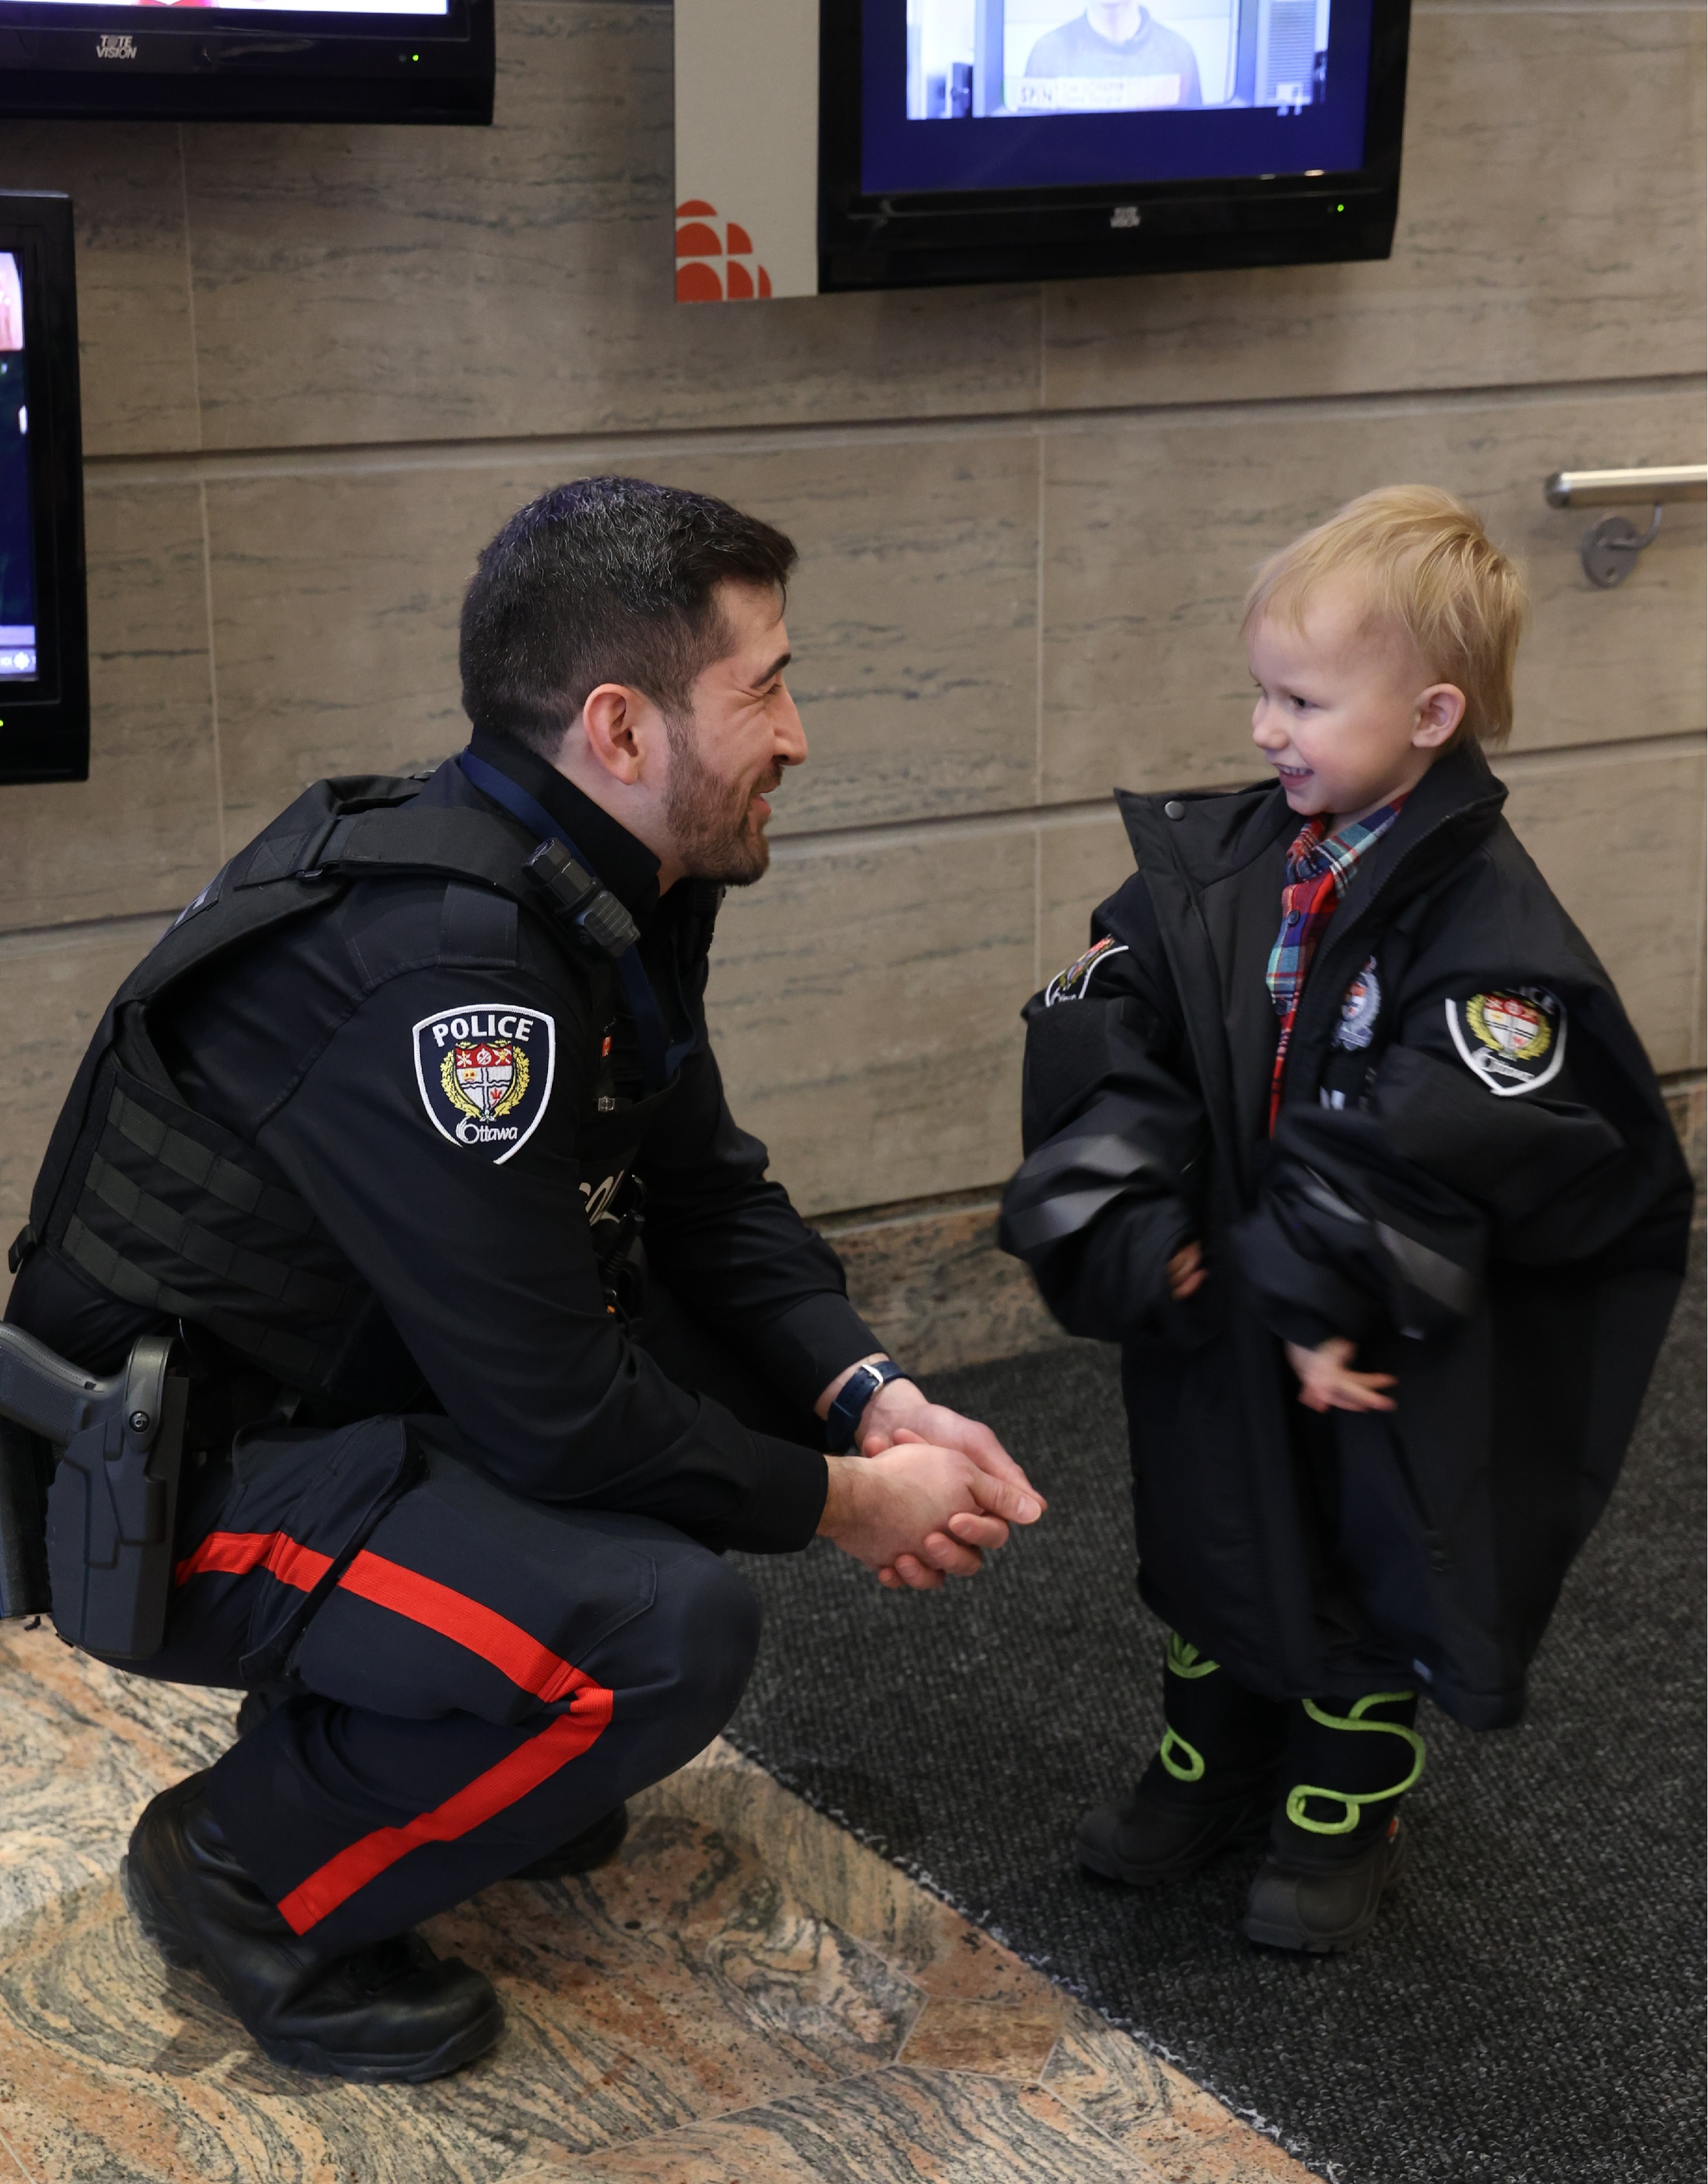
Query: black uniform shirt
347, 1048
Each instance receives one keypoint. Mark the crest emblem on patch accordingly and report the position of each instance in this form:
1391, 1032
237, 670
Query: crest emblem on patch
485, 1074
1069, 985
1360, 1007
1513, 1041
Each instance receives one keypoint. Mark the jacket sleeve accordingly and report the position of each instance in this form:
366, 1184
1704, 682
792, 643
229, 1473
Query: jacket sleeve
486, 1269
1515, 1117
726, 1240
1113, 1130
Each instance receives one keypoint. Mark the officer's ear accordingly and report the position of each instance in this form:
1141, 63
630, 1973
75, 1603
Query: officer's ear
624, 732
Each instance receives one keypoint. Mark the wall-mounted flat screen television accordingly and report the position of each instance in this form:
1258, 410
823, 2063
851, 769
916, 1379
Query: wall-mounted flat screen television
979, 140
44, 646
248, 60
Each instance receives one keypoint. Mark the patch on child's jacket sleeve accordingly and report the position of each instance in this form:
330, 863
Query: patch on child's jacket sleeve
1069, 985
1513, 1041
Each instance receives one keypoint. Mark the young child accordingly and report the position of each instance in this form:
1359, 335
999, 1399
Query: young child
1340, 1130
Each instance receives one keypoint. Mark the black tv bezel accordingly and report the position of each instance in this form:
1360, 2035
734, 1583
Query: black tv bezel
223, 64
44, 723
942, 238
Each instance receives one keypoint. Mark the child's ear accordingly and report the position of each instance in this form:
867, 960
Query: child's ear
1439, 711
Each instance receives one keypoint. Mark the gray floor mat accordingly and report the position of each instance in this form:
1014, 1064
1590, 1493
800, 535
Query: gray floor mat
1529, 2008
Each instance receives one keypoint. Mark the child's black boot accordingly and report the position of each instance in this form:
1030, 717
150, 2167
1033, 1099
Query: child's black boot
1337, 1843
1210, 1785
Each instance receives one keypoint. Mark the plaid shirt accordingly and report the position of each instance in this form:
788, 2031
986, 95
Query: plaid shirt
1319, 866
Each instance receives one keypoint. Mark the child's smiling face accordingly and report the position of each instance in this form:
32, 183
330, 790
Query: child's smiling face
1346, 712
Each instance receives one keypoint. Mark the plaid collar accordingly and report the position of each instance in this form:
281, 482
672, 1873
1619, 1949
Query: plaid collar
1315, 850
1319, 866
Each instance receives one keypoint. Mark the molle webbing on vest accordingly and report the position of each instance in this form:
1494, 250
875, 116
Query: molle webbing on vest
214, 1255
221, 1178
295, 1361
175, 1214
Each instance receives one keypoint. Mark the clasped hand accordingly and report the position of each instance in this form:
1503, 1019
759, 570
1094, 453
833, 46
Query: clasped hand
932, 1493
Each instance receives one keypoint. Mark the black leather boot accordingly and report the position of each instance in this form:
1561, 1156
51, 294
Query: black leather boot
596, 1845
392, 2010
1336, 1845
1211, 1787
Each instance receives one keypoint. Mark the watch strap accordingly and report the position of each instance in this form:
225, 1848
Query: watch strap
842, 1420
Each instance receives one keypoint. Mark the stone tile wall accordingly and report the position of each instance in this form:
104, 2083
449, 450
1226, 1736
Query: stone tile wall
321, 363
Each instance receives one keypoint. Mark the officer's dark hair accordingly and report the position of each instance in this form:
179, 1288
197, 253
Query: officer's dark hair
607, 580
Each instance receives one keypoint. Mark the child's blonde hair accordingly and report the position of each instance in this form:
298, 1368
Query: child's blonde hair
1426, 563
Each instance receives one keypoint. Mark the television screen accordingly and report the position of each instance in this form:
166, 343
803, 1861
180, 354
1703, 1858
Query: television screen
44, 666
417, 8
1113, 92
380, 60
1202, 131
17, 541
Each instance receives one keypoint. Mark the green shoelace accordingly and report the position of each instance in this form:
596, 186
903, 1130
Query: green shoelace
1183, 1659
1354, 1801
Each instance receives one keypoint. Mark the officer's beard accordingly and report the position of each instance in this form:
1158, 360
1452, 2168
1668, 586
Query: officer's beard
717, 835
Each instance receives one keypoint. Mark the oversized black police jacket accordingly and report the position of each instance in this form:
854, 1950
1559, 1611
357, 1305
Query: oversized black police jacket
453, 1096
1472, 1174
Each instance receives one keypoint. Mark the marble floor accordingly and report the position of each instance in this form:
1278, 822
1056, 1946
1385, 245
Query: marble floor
745, 1993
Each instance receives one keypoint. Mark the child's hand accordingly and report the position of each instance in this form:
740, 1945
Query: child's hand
1326, 1381
1186, 1271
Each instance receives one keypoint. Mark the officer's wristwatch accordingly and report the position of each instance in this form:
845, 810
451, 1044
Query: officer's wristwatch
842, 1420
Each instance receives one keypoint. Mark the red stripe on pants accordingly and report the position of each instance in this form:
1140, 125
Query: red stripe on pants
534, 1666
235, 1554
478, 1802
528, 1664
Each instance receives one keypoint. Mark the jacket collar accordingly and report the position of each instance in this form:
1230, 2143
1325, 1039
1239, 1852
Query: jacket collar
1208, 835
1453, 806
628, 867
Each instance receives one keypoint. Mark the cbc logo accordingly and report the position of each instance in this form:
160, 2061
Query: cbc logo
714, 261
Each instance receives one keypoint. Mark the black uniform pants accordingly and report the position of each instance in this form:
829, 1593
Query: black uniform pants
486, 1678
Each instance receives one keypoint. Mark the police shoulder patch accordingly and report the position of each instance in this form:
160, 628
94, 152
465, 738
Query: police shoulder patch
1069, 985
485, 1074
1514, 1040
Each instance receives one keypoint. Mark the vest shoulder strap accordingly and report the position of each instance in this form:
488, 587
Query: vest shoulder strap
313, 849
454, 840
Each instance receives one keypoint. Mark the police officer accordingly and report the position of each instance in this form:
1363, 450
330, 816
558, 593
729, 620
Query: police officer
497, 1332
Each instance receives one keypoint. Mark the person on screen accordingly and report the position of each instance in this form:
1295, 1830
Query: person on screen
1119, 38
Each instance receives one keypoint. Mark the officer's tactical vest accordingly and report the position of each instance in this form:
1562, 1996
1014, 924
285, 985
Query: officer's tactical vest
176, 1214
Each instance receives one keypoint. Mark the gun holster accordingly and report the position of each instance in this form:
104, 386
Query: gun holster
89, 1491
